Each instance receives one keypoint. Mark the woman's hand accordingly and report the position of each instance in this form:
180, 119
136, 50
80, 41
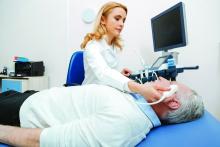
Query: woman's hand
153, 92
162, 82
126, 72
150, 91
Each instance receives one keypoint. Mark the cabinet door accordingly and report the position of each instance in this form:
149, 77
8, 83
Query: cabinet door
17, 85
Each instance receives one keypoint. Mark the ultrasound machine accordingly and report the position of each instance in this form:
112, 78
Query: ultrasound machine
168, 32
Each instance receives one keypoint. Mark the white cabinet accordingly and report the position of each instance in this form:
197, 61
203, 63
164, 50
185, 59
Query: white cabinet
25, 83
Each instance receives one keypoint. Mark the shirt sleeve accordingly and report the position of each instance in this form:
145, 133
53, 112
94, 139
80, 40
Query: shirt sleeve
90, 132
72, 134
105, 74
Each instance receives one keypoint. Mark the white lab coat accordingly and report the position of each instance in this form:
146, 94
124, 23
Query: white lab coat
100, 64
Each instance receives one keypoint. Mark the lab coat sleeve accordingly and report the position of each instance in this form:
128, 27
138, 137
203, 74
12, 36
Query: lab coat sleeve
102, 71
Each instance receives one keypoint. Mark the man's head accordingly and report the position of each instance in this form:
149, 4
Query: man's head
185, 105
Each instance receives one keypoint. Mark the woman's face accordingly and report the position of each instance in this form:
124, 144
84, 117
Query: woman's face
114, 22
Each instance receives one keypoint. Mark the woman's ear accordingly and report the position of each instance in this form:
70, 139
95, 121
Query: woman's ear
173, 103
103, 20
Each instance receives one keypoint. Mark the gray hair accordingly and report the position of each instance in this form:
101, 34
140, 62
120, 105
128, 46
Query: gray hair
191, 108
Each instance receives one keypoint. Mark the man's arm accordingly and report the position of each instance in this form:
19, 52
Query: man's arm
25, 137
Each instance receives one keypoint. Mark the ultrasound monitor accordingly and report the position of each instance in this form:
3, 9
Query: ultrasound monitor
168, 29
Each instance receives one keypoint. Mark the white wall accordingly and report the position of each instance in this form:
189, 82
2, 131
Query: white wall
50, 30
203, 21
36, 30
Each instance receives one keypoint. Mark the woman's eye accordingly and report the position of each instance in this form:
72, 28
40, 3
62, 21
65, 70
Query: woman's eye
117, 19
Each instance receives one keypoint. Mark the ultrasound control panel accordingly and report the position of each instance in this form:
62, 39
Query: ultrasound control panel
151, 75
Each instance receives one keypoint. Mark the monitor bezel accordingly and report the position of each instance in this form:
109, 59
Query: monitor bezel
179, 6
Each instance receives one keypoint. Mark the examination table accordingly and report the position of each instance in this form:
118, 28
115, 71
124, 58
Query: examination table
204, 132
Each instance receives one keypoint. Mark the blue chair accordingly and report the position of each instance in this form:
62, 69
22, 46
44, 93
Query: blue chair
4, 145
75, 75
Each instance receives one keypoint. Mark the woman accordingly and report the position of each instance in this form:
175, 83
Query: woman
100, 57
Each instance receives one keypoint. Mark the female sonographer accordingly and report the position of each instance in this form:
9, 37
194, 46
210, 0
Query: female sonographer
100, 55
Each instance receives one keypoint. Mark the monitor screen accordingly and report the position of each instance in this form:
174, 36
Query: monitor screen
168, 29
159, 62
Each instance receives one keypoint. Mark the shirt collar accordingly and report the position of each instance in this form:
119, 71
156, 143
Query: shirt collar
105, 44
146, 109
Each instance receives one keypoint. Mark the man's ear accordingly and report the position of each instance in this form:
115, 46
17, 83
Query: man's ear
173, 103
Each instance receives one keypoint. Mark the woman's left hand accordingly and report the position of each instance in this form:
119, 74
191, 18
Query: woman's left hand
126, 72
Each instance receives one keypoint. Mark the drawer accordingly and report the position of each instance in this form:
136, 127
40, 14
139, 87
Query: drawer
14, 84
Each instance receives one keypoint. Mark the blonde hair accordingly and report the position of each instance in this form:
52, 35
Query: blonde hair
99, 29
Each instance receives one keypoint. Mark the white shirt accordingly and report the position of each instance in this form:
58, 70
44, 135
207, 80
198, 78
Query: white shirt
100, 64
81, 116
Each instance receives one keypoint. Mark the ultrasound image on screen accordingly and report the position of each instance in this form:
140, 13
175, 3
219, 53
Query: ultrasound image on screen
167, 30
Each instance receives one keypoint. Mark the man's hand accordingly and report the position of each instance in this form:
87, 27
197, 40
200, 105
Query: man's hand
126, 72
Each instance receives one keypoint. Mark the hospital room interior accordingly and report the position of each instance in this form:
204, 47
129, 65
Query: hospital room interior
48, 32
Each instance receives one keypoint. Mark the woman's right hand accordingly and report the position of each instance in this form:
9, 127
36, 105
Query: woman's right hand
150, 91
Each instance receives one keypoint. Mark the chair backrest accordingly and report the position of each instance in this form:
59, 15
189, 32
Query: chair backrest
75, 75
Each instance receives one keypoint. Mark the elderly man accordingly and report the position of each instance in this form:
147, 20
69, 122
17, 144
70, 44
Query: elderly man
97, 115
